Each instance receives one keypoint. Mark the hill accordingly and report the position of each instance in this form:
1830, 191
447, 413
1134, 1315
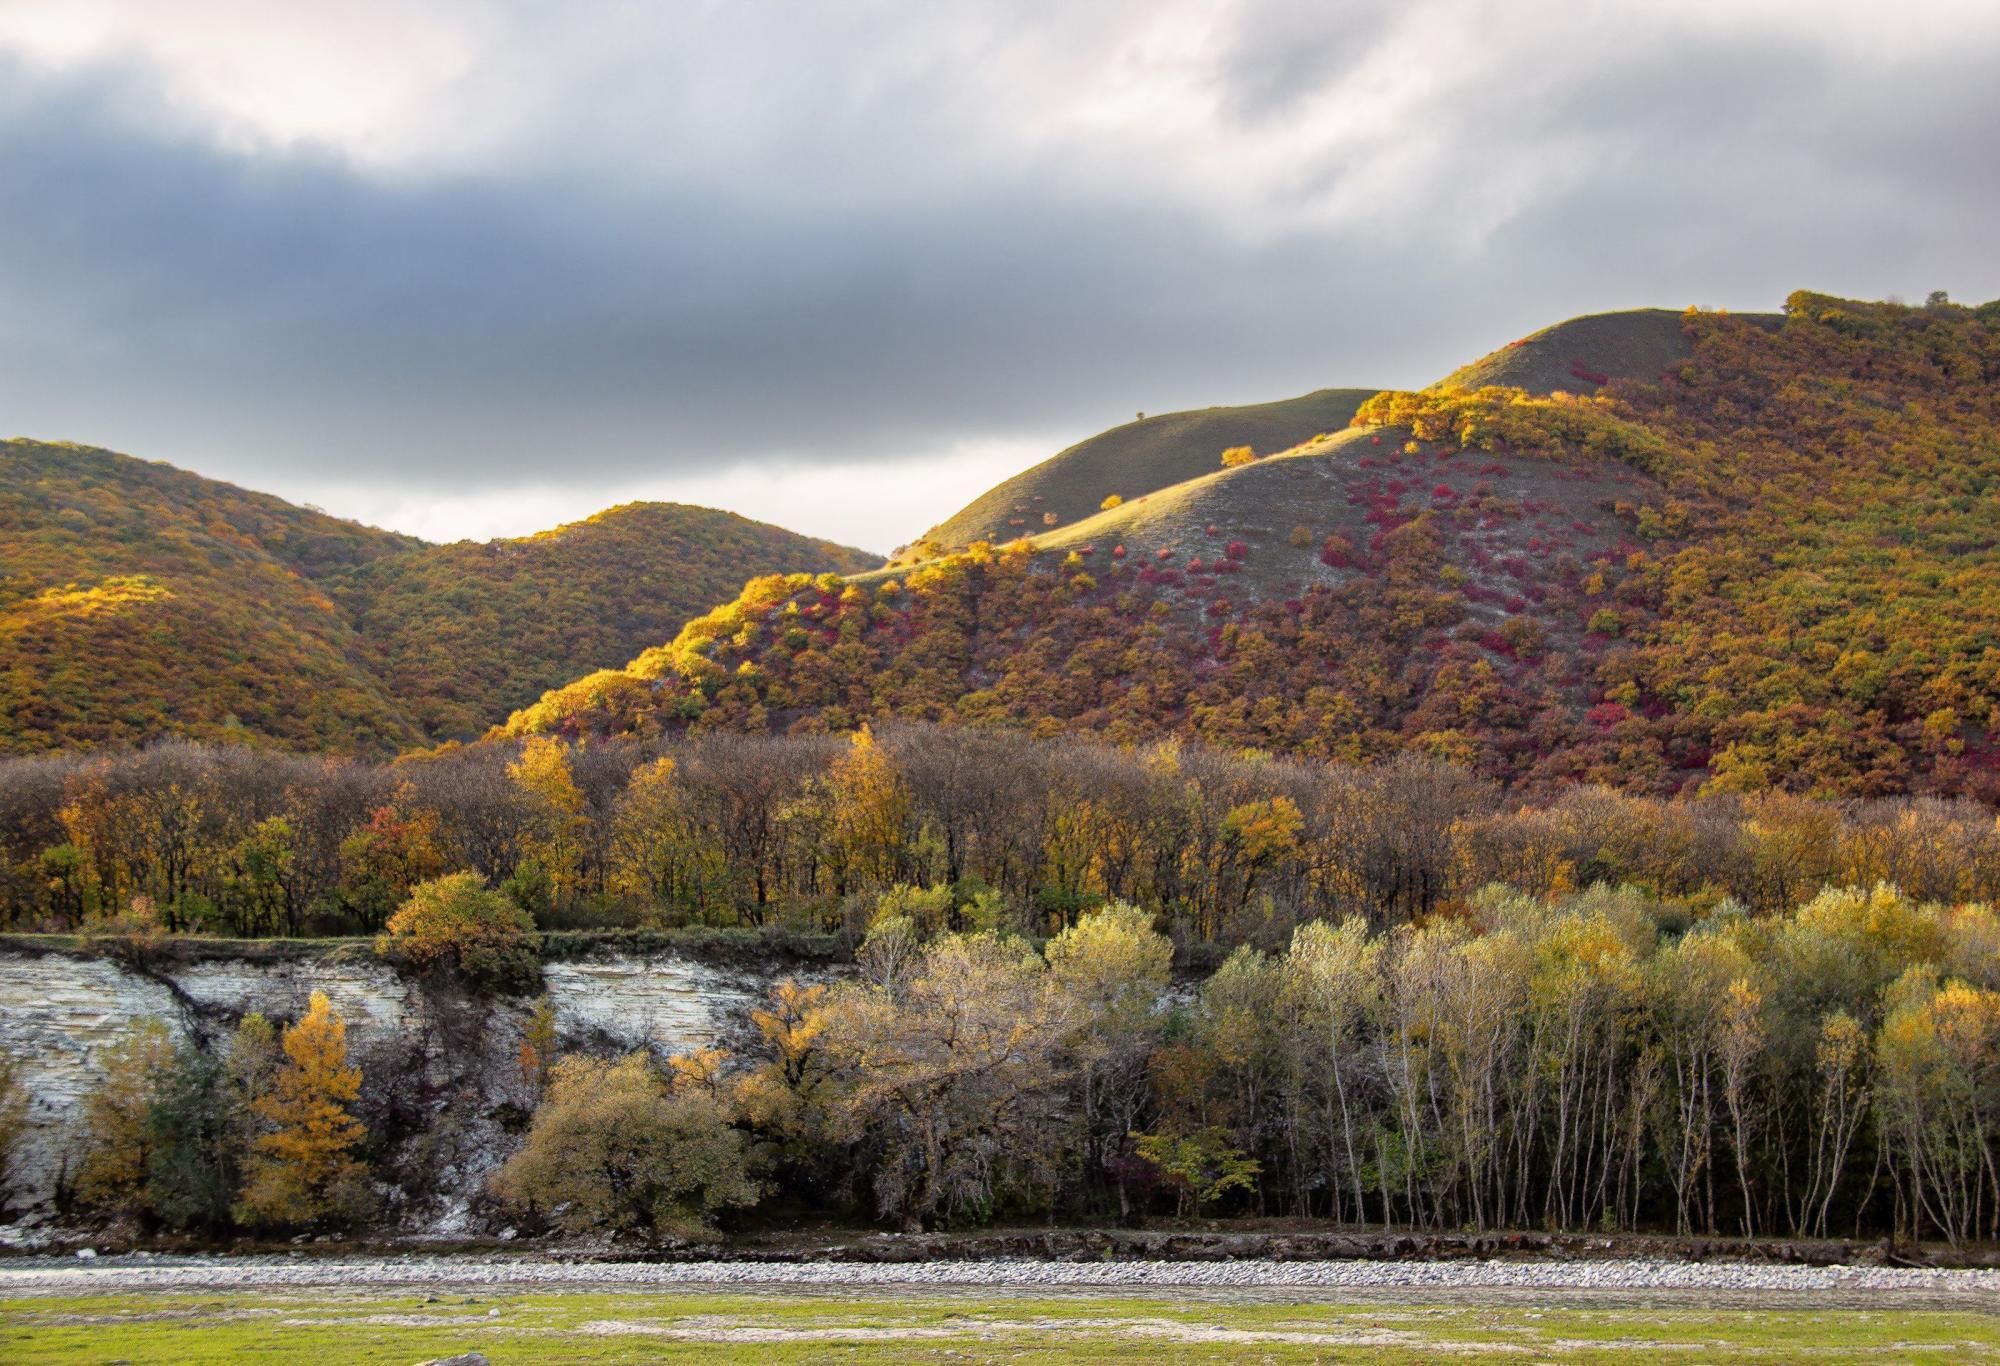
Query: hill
1771, 563
1584, 354
138, 600
1135, 459
463, 634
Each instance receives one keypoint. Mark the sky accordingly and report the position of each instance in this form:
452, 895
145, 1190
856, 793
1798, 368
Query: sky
471, 269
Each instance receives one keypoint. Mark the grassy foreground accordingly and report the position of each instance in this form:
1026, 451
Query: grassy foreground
805, 1326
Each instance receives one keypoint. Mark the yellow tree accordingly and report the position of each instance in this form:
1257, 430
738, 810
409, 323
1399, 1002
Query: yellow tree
871, 810
304, 1167
657, 851
1237, 456
555, 834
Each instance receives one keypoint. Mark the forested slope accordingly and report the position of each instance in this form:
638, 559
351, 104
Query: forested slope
138, 600
1772, 563
462, 634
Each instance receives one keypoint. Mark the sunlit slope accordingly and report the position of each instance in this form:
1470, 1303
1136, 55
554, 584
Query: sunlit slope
462, 634
1763, 554
138, 600
1135, 459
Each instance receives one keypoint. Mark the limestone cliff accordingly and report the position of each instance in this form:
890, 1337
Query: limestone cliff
442, 1065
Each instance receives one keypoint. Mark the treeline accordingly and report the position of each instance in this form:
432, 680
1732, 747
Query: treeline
807, 832
1588, 1061
1577, 1062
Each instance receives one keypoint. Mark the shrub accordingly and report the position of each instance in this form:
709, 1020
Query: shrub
1237, 456
613, 1148
458, 926
193, 1129
119, 1145
13, 1120
1200, 1166
1111, 500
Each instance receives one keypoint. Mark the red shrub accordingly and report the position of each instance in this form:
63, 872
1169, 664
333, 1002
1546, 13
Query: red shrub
1236, 550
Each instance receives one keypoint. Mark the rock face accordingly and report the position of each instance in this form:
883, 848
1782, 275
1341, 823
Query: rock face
59, 1010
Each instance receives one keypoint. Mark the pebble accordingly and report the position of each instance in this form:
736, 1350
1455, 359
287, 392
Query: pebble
44, 1274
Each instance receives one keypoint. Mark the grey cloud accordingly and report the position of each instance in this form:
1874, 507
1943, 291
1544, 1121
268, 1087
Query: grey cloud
262, 315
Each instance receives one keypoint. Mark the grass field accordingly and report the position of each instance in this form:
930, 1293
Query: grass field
876, 1325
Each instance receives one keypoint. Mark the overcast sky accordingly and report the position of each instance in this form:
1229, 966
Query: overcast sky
469, 269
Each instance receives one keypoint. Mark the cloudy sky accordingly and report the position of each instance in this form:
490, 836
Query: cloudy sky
469, 269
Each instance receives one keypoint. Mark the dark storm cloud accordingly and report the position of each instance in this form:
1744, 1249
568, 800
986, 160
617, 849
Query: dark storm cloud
284, 318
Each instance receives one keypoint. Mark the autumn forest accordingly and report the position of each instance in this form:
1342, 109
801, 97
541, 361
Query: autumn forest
1559, 798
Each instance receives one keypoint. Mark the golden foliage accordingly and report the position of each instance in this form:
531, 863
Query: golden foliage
304, 1169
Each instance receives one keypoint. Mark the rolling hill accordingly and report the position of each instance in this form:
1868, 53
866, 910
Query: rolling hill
138, 600
462, 634
1135, 459
1652, 549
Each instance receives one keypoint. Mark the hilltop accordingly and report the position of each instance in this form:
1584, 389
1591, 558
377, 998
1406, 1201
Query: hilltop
1130, 461
1769, 561
139, 600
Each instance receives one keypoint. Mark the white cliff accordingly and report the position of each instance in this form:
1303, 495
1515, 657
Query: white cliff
58, 1011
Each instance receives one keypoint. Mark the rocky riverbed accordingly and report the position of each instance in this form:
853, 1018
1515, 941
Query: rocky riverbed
1807, 1284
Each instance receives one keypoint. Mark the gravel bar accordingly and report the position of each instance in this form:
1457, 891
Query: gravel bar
42, 1275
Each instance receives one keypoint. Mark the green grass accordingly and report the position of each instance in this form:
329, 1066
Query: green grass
811, 1326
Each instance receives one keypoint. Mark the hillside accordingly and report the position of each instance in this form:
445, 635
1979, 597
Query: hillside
462, 634
1584, 354
1132, 460
1770, 563
138, 600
